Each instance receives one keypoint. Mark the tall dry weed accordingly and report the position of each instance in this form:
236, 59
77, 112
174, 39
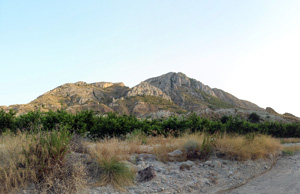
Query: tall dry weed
240, 147
13, 171
38, 159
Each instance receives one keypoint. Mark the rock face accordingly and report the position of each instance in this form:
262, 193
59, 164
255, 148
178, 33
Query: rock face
104, 85
146, 89
184, 91
171, 82
194, 95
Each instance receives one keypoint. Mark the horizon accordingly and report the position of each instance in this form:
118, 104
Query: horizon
248, 49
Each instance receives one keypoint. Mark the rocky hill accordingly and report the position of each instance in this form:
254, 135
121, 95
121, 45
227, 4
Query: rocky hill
171, 93
192, 94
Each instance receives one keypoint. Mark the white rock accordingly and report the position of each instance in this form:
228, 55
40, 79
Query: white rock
188, 163
207, 163
176, 153
216, 164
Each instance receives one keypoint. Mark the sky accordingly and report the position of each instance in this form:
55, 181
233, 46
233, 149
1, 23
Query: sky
250, 49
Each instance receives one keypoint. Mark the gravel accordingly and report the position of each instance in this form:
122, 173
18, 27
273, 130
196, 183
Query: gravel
216, 175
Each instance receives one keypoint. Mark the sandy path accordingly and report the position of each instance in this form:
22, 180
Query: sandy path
284, 178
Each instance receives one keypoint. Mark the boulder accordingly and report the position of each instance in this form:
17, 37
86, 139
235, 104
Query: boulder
146, 174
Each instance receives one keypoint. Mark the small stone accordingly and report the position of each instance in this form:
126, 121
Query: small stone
176, 153
266, 167
207, 163
216, 164
186, 165
141, 165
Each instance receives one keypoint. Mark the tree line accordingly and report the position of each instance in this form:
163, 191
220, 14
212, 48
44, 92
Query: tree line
88, 123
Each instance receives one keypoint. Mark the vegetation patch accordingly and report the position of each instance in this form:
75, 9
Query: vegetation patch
42, 149
289, 140
253, 146
39, 159
111, 124
116, 173
290, 150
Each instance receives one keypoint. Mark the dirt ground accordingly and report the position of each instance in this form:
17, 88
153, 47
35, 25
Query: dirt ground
283, 178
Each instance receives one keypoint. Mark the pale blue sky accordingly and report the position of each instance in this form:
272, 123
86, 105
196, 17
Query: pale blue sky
250, 49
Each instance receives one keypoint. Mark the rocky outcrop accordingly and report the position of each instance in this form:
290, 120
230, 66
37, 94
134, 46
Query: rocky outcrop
289, 115
271, 111
184, 91
194, 95
145, 88
171, 82
104, 85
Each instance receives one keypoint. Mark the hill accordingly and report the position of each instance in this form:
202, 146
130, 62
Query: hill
165, 95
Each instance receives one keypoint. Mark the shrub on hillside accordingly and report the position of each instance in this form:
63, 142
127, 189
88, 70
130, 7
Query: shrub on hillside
254, 118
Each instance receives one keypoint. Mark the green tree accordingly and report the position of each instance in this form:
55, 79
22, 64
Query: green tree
254, 118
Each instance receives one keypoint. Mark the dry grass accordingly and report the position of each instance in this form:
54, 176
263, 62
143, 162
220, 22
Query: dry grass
239, 147
109, 154
236, 147
116, 173
24, 161
289, 140
161, 145
122, 149
67, 176
13, 175
113, 148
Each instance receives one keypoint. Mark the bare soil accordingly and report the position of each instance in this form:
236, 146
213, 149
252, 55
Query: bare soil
283, 178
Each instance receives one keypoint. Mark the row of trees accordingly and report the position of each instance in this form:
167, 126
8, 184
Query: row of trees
111, 124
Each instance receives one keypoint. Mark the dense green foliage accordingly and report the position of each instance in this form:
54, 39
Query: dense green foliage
254, 118
111, 124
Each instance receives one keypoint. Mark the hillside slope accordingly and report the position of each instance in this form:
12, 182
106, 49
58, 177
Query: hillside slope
171, 93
